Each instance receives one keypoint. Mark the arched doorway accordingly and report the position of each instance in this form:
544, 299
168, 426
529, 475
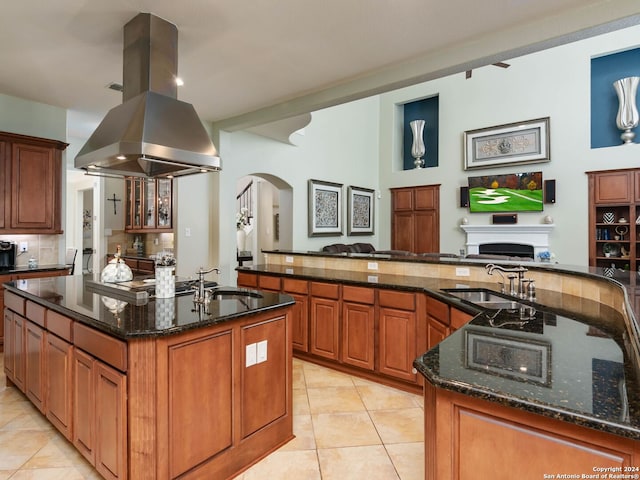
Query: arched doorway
267, 201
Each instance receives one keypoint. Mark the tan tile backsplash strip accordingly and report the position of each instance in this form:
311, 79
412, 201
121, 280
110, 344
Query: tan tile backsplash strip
593, 289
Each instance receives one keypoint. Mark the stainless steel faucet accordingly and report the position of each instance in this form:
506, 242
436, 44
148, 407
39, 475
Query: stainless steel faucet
521, 290
199, 295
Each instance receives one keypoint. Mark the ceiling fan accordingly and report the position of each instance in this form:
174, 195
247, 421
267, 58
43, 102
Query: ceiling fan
497, 64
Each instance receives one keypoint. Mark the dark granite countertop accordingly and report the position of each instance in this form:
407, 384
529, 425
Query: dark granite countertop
70, 296
39, 268
572, 362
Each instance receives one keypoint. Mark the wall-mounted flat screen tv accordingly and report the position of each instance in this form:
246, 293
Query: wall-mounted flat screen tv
513, 192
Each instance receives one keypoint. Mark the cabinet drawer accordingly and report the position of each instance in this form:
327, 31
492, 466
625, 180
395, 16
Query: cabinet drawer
358, 294
291, 285
59, 325
247, 279
36, 313
14, 302
438, 310
146, 266
325, 290
104, 347
400, 300
269, 283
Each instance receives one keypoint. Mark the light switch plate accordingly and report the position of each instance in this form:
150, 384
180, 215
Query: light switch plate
262, 352
250, 354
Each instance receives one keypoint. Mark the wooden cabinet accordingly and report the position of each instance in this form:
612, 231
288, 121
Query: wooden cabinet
415, 221
99, 415
30, 190
468, 438
299, 290
58, 383
358, 327
459, 318
3, 279
437, 322
34, 350
149, 205
325, 319
398, 332
138, 266
614, 206
247, 280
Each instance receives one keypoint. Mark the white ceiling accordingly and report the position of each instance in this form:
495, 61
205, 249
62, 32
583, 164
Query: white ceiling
276, 58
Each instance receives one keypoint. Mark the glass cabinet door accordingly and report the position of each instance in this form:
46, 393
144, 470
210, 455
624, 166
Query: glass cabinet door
164, 202
137, 203
149, 203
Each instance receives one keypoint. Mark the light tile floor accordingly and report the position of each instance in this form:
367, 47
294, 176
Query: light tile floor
346, 428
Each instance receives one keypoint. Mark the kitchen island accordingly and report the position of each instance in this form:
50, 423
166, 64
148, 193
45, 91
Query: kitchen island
161, 389
554, 392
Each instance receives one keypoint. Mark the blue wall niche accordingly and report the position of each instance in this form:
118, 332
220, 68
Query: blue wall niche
427, 110
604, 101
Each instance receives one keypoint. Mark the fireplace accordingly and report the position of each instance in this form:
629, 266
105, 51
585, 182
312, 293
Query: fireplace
510, 249
530, 238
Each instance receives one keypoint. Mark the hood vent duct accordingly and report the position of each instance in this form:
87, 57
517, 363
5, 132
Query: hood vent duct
152, 133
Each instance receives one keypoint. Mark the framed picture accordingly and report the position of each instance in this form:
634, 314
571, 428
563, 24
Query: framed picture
360, 221
517, 358
325, 208
511, 144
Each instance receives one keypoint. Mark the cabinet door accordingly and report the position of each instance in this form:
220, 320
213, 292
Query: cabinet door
164, 201
58, 383
459, 318
5, 184
325, 322
426, 234
264, 384
110, 421
402, 199
19, 369
358, 335
34, 175
9, 350
247, 280
83, 405
403, 231
300, 322
34, 364
148, 200
436, 332
426, 198
397, 343
614, 187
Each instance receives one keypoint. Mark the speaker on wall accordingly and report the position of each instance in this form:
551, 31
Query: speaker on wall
549, 191
504, 219
464, 197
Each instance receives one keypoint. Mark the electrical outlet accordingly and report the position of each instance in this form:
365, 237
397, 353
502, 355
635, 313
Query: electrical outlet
462, 272
24, 246
372, 265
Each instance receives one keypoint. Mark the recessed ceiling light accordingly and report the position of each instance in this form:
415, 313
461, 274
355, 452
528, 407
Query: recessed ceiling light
179, 81
121, 157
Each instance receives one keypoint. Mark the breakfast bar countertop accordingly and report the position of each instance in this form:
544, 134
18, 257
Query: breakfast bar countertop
572, 360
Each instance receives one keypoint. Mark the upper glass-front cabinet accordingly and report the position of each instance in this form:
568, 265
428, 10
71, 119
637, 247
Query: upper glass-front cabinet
149, 205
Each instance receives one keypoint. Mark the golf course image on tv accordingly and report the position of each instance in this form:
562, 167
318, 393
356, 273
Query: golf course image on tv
513, 192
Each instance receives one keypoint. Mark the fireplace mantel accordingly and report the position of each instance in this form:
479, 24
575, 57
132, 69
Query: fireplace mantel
535, 235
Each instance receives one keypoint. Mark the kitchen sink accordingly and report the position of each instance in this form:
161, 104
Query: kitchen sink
485, 298
232, 294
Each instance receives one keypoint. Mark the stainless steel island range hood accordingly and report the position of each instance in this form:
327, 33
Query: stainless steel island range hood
152, 133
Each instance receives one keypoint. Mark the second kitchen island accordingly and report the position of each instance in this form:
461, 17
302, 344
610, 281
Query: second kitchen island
167, 389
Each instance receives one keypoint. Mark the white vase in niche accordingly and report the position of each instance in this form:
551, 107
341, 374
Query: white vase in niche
165, 282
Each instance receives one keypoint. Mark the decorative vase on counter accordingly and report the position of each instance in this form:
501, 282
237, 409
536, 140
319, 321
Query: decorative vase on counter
627, 117
165, 282
116, 270
417, 147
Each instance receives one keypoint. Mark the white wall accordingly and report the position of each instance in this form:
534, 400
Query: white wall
553, 83
339, 145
